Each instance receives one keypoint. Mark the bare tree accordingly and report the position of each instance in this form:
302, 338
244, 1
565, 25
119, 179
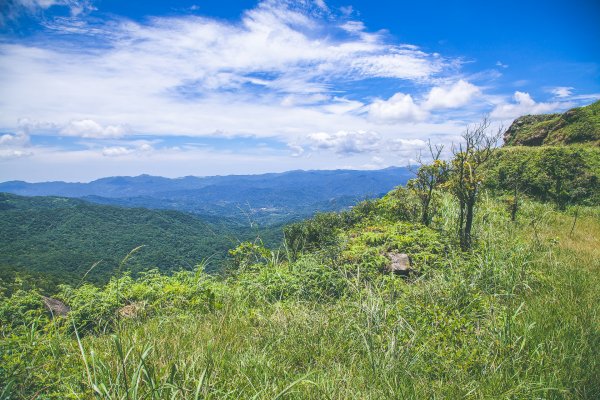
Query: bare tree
427, 179
466, 175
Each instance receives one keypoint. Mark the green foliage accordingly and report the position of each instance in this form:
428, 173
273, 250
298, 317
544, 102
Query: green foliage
516, 317
315, 233
58, 240
578, 125
563, 175
306, 279
367, 247
428, 179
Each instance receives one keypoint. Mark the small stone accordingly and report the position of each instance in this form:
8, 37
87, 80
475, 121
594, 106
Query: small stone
132, 310
56, 307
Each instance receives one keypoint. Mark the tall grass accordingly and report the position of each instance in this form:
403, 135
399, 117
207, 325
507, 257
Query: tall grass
518, 318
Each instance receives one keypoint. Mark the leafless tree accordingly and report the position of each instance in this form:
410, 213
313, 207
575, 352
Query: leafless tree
466, 172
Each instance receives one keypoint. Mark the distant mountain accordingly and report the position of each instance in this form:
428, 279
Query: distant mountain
62, 238
266, 199
578, 125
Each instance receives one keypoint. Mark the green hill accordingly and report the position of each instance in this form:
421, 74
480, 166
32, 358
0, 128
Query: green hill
578, 125
560, 174
62, 238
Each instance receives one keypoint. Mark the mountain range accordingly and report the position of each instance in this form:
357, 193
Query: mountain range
266, 199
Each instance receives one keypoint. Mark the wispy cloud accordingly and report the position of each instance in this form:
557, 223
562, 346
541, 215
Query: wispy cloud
13, 9
293, 72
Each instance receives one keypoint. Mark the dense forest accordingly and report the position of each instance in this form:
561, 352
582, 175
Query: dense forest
51, 240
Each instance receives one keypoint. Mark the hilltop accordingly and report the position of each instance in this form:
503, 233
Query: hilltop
575, 126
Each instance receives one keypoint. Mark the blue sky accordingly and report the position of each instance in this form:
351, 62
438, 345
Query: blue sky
173, 88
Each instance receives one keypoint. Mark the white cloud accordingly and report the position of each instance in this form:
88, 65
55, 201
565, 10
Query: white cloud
321, 4
562, 91
406, 144
402, 106
7, 154
10, 140
181, 75
399, 107
454, 96
88, 128
345, 142
116, 151
15, 8
523, 104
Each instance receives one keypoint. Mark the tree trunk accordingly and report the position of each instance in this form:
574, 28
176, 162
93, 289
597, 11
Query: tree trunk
468, 224
515, 205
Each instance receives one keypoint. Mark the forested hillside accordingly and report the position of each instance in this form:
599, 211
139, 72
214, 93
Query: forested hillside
59, 239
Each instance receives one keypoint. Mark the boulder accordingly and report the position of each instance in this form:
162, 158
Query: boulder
56, 307
399, 264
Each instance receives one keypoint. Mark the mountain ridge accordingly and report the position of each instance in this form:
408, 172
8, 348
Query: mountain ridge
580, 125
269, 198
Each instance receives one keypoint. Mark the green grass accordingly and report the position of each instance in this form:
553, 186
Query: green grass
517, 318
578, 125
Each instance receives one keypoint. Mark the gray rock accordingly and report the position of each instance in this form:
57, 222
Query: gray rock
399, 263
56, 307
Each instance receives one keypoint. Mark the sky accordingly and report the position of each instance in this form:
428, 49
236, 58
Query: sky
95, 88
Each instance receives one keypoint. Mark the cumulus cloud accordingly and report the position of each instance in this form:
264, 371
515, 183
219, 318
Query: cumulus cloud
138, 148
88, 128
116, 151
399, 107
346, 142
402, 106
17, 139
523, 104
406, 144
453, 96
15, 145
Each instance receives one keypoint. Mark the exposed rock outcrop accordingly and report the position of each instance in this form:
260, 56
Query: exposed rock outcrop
577, 125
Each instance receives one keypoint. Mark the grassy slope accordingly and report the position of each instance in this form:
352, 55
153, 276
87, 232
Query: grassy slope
578, 125
517, 319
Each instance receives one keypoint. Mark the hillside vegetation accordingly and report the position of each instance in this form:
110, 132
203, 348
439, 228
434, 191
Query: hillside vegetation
578, 125
58, 240
559, 174
479, 279
516, 317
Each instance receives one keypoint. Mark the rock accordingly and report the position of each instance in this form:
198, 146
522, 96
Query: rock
56, 307
132, 310
399, 264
